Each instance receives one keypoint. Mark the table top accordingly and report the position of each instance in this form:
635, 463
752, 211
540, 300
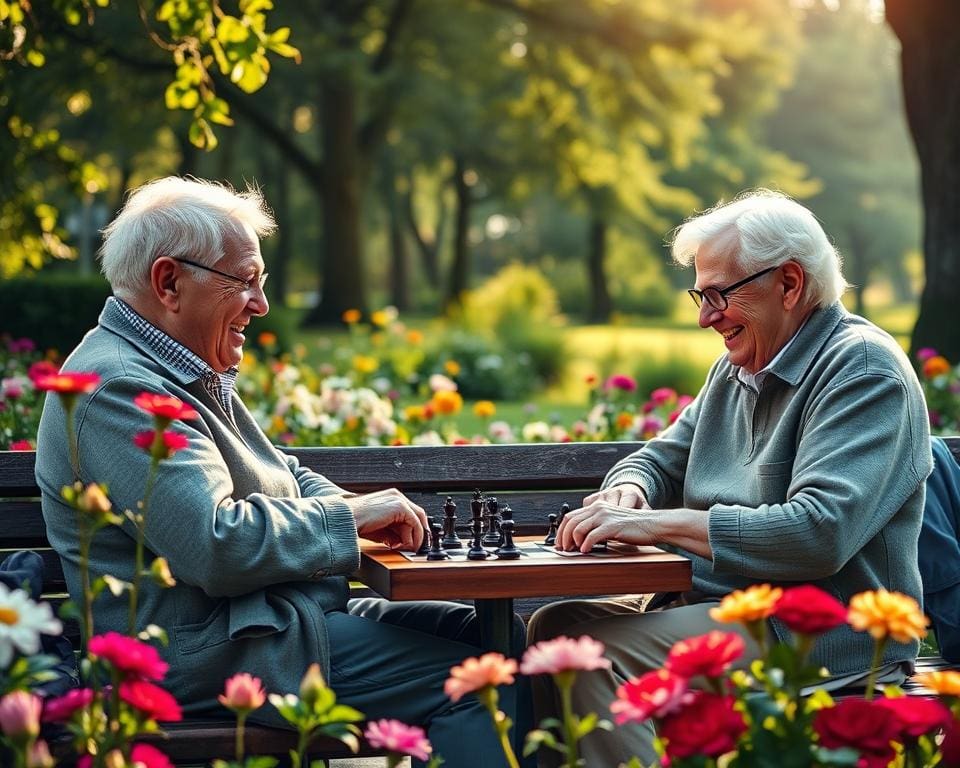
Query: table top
395, 577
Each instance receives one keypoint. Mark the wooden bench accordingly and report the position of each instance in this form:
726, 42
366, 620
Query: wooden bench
534, 479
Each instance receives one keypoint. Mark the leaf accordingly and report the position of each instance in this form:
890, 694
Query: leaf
285, 50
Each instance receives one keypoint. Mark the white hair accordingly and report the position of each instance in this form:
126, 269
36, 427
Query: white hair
180, 218
761, 229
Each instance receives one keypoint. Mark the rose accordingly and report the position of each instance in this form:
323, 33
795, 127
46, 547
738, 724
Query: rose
129, 655
655, 694
867, 726
61, 708
809, 610
710, 654
708, 725
151, 700
917, 714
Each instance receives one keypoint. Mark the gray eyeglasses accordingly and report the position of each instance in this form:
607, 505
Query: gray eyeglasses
248, 284
717, 297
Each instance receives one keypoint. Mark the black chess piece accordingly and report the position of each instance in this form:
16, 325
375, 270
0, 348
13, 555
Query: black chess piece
476, 551
436, 551
564, 508
552, 532
425, 543
505, 514
492, 536
450, 538
509, 550
476, 507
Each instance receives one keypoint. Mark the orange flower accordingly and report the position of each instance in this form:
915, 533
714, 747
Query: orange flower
93, 499
351, 316
624, 420
447, 403
452, 367
414, 413
484, 409
474, 674
414, 337
267, 339
943, 683
936, 366
746, 605
887, 614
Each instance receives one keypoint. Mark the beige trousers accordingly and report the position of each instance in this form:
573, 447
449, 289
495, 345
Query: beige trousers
636, 643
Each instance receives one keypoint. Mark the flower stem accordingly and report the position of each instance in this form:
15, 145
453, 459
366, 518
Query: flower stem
241, 717
140, 520
875, 666
86, 536
564, 681
489, 698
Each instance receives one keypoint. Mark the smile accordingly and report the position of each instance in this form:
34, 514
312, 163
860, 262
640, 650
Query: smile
731, 333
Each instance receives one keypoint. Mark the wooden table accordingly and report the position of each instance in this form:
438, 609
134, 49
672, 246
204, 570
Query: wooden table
493, 584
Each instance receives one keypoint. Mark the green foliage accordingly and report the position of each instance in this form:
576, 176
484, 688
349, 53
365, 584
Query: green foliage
489, 369
280, 325
55, 310
676, 371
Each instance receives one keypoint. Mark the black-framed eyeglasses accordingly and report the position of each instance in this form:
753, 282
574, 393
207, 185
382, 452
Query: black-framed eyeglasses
717, 297
248, 284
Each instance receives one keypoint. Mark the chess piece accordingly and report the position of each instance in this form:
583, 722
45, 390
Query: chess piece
425, 543
509, 550
492, 536
476, 551
450, 538
436, 551
552, 533
564, 508
476, 507
505, 514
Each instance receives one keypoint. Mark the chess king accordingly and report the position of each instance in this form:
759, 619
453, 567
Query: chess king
261, 546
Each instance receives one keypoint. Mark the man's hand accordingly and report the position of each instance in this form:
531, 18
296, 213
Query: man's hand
600, 520
623, 495
389, 517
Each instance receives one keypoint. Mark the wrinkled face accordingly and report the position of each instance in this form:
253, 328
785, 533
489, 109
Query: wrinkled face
216, 310
756, 324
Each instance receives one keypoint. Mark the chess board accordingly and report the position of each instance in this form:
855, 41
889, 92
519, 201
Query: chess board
531, 550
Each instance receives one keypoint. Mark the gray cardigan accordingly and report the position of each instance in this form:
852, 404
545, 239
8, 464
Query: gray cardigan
260, 546
817, 478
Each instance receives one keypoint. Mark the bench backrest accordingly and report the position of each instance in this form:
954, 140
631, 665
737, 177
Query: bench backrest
534, 479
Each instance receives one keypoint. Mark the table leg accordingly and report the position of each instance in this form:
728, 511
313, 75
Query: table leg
496, 625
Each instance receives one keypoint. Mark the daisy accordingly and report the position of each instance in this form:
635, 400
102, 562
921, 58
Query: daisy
22, 621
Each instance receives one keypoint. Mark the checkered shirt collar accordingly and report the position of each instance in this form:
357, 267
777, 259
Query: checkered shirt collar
175, 355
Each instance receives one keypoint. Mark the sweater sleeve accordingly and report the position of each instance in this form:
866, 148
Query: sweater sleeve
213, 540
862, 452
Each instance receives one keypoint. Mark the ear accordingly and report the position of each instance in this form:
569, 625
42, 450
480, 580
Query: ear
164, 282
794, 279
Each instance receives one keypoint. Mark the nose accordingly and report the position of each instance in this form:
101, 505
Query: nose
708, 315
259, 305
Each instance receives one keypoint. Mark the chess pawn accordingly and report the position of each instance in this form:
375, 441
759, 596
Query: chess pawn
505, 514
509, 550
492, 536
476, 551
425, 543
450, 538
436, 551
552, 533
564, 508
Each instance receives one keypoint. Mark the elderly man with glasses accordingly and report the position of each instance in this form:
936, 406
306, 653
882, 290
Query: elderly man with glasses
802, 460
260, 546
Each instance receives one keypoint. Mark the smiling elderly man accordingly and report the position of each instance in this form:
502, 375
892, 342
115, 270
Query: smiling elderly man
802, 460
261, 547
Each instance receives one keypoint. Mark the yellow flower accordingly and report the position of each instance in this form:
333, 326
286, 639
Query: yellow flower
160, 572
943, 683
365, 363
267, 339
414, 337
936, 366
452, 367
413, 413
746, 605
93, 499
484, 409
278, 424
887, 614
447, 403
380, 318
351, 316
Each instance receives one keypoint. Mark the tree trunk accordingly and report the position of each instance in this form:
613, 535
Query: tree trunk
460, 268
342, 271
929, 32
600, 303
429, 250
399, 270
278, 193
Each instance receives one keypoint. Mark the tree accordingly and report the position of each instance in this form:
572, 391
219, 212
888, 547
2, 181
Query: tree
929, 33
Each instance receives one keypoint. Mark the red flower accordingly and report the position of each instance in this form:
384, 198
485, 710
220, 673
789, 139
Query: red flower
708, 725
809, 610
142, 756
655, 694
151, 699
21, 445
164, 406
67, 383
917, 714
171, 442
710, 654
950, 748
59, 709
622, 382
129, 655
42, 368
867, 726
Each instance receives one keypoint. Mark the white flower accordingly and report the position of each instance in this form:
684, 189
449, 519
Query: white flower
501, 431
536, 432
441, 383
431, 437
22, 621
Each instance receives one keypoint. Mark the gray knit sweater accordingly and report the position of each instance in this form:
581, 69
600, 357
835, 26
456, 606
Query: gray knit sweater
817, 478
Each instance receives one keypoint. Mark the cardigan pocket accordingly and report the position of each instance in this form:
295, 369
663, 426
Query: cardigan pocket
248, 616
773, 481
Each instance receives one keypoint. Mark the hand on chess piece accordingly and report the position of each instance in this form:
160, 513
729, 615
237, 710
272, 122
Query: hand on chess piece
624, 495
388, 517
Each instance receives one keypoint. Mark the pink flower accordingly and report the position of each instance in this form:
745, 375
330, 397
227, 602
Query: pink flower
165, 407
918, 714
21, 445
171, 442
710, 654
151, 700
491, 669
683, 401
129, 655
622, 382
243, 693
925, 353
550, 657
20, 714
142, 756
41, 368
61, 708
663, 395
67, 383
399, 738
655, 694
